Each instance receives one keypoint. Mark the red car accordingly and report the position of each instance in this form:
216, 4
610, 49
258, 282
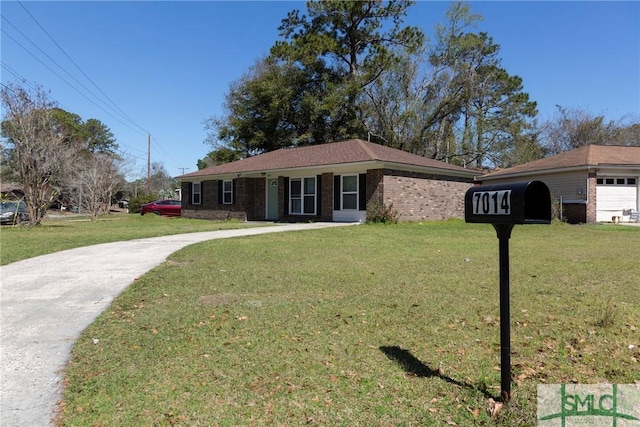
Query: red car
162, 207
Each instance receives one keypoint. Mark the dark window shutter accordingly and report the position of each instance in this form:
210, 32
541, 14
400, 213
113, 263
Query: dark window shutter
362, 191
336, 193
202, 192
219, 191
286, 195
319, 195
233, 191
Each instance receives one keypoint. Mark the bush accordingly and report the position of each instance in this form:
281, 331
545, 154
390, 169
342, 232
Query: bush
379, 213
135, 204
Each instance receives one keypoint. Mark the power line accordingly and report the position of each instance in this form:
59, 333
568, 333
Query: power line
80, 69
157, 147
59, 66
64, 80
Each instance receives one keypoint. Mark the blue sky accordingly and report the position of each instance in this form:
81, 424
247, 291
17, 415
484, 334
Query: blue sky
168, 65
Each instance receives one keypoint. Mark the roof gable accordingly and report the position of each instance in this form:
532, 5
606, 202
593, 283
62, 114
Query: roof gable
583, 157
345, 152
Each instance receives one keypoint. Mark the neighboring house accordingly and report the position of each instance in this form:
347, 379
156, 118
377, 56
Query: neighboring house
594, 183
328, 182
11, 191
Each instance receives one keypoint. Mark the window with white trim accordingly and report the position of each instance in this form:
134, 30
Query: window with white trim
349, 192
302, 196
196, 193
227, 192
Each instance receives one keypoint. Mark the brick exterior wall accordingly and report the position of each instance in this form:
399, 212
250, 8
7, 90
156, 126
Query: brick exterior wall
375, 185
574, 213
415, 196
245, 206
592, 199
419, 197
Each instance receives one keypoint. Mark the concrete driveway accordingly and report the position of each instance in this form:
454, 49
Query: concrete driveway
45, 302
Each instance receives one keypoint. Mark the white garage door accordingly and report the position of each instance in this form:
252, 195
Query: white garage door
614, 195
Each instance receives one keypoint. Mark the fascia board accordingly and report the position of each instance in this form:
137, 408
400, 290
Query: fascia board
534, 173
431, 170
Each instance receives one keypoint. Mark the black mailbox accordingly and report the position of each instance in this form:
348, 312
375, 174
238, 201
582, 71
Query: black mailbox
513, 203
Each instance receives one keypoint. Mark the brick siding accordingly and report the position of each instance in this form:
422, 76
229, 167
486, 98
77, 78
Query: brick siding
574, 213
419, 197
414, 195
592, 199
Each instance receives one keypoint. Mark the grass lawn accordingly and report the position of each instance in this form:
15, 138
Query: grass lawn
360, 326
57, 234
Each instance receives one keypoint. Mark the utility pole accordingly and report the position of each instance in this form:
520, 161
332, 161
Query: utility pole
148, 164
183, 169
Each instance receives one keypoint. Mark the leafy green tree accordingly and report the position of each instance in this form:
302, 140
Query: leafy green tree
218, 156
487, 104
92, 135
307, 91
348, 44
270, 107
100, 139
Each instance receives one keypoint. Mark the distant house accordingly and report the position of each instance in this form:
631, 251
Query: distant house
11, 191
329, 182
594, 183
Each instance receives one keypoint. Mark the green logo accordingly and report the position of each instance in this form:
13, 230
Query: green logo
567, 405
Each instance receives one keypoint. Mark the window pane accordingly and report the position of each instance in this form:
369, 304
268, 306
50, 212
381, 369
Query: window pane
228, 185
295, 206
631, 181
600, 181
349, 201
609, 181
620, 181
309, 204
309, 186
349, 183
296, 187
226, 198
195, 196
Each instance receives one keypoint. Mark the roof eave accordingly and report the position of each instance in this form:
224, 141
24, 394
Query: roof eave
368, 164
532, 172
556, 170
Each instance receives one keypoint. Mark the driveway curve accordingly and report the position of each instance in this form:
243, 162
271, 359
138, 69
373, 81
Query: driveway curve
47, 301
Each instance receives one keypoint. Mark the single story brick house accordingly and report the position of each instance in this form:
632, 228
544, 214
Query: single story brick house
594, 183
328, 182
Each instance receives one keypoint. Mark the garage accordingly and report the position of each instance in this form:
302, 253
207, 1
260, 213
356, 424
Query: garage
615, 194
593, 183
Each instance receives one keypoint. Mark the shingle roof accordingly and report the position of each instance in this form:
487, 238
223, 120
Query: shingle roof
590, 155
351, 151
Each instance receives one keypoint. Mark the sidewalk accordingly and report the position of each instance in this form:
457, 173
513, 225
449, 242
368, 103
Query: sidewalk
45, 302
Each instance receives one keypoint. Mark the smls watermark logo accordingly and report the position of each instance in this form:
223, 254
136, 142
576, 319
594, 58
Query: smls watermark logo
589, 405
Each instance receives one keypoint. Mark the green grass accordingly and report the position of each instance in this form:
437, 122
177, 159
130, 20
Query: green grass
53, 235
359, 326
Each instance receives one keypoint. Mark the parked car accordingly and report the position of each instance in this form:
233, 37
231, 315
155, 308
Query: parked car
13, 212
162, 207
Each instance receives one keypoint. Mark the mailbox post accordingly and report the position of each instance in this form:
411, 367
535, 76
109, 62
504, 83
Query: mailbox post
503, 206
